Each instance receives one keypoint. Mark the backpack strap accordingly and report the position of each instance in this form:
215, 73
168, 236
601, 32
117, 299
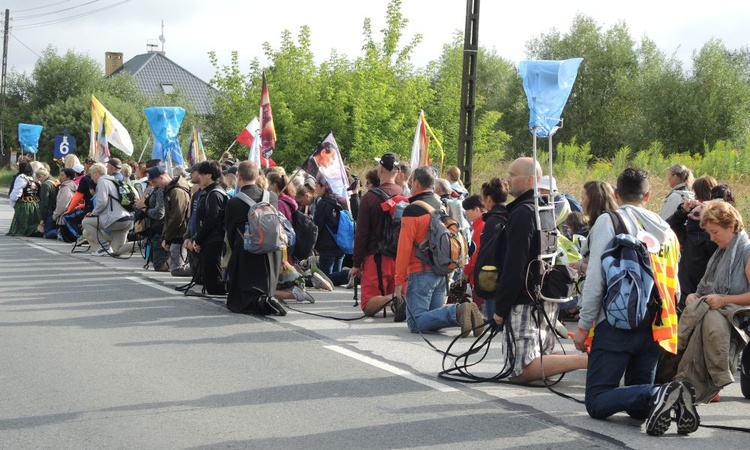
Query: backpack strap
246, 198
382, 194
266, 197
426, 206
618, 223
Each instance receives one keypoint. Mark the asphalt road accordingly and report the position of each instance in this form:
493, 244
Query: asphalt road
98, 353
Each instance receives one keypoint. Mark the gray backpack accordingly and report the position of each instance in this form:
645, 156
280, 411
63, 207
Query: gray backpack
266, 230
444, 248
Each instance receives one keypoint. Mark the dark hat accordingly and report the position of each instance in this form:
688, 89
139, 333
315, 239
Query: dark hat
193, 168
115, 162
152, 163
155, 172
389, 161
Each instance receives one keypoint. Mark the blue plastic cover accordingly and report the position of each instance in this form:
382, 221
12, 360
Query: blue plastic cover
165, 123
547, 85
28, 137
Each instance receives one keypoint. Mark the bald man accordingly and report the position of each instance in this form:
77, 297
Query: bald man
519, 247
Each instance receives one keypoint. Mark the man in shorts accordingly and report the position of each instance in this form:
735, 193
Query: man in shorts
515, 305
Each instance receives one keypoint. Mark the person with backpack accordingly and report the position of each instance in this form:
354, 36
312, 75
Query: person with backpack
376, 240
515, 303
176, 217
631, 348
329, 208
108, 215
419, 283
251, 277
486, 266
149, 210
208, 240
24, 199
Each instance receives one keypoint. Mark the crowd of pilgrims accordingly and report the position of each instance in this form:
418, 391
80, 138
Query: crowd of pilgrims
191, 221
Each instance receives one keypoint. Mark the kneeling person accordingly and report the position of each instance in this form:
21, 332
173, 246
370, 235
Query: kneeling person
108, 215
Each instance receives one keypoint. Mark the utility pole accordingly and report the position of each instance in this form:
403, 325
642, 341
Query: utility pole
6, 31
468, 92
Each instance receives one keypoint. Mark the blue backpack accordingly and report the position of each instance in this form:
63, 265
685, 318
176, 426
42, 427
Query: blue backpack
575, 206
632, 294
344, 235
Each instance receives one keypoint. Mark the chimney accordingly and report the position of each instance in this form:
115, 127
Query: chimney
112, 62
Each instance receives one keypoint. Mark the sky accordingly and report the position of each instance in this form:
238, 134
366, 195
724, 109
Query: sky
192, 28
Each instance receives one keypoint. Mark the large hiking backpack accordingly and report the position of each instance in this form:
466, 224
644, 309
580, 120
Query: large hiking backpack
126, 194
444, 248
486, 274
393, 210
266, 230
632, 294
344, 235
307, 234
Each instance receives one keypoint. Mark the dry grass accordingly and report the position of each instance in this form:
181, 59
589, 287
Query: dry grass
573, 184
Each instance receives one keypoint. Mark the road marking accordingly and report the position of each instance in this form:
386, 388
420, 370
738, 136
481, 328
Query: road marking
152, 285
392, 369
44, 249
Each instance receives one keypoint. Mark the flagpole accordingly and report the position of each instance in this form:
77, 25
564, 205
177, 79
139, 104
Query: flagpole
230, 147
144, 148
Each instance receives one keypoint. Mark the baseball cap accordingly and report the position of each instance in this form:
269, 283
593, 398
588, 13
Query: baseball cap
193, 168
154, 172
389, 161
115, 162
78, 168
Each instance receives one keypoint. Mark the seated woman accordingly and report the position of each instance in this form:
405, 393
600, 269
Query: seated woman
709, 341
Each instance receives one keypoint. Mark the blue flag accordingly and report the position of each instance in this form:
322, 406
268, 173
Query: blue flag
547, 85
165, 124
28, 137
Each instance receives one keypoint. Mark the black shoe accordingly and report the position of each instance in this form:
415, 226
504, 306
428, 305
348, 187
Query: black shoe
399, 309
273, 304
686, 415
660, 416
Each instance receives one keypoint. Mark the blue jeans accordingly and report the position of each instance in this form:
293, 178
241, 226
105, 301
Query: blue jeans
615, 352
425, 298
330, 264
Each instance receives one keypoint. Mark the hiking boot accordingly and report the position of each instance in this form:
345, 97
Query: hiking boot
686, 415
463, 317
302, 295
399, 309
184, 271
320, 281
660, 416
274, 305
477, 320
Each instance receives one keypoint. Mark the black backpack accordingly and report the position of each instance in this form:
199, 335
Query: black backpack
391, 225
486, 273
307, 234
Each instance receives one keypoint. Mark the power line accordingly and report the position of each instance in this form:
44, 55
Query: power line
27, 47
34, 16
42, 7
66, 19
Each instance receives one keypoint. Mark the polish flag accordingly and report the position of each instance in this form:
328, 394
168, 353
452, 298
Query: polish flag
247, 136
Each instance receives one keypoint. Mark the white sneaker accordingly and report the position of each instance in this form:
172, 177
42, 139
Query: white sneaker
101, 252
302, 295
320, 281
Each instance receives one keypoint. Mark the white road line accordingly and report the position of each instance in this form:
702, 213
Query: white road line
153, 285
44, 249
392, 369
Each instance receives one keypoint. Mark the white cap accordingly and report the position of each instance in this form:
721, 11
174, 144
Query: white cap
544, 183
78, 168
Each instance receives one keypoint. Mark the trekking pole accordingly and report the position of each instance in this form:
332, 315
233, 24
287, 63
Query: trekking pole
356, 292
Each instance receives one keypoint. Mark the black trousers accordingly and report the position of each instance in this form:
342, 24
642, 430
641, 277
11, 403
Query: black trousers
213, 279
